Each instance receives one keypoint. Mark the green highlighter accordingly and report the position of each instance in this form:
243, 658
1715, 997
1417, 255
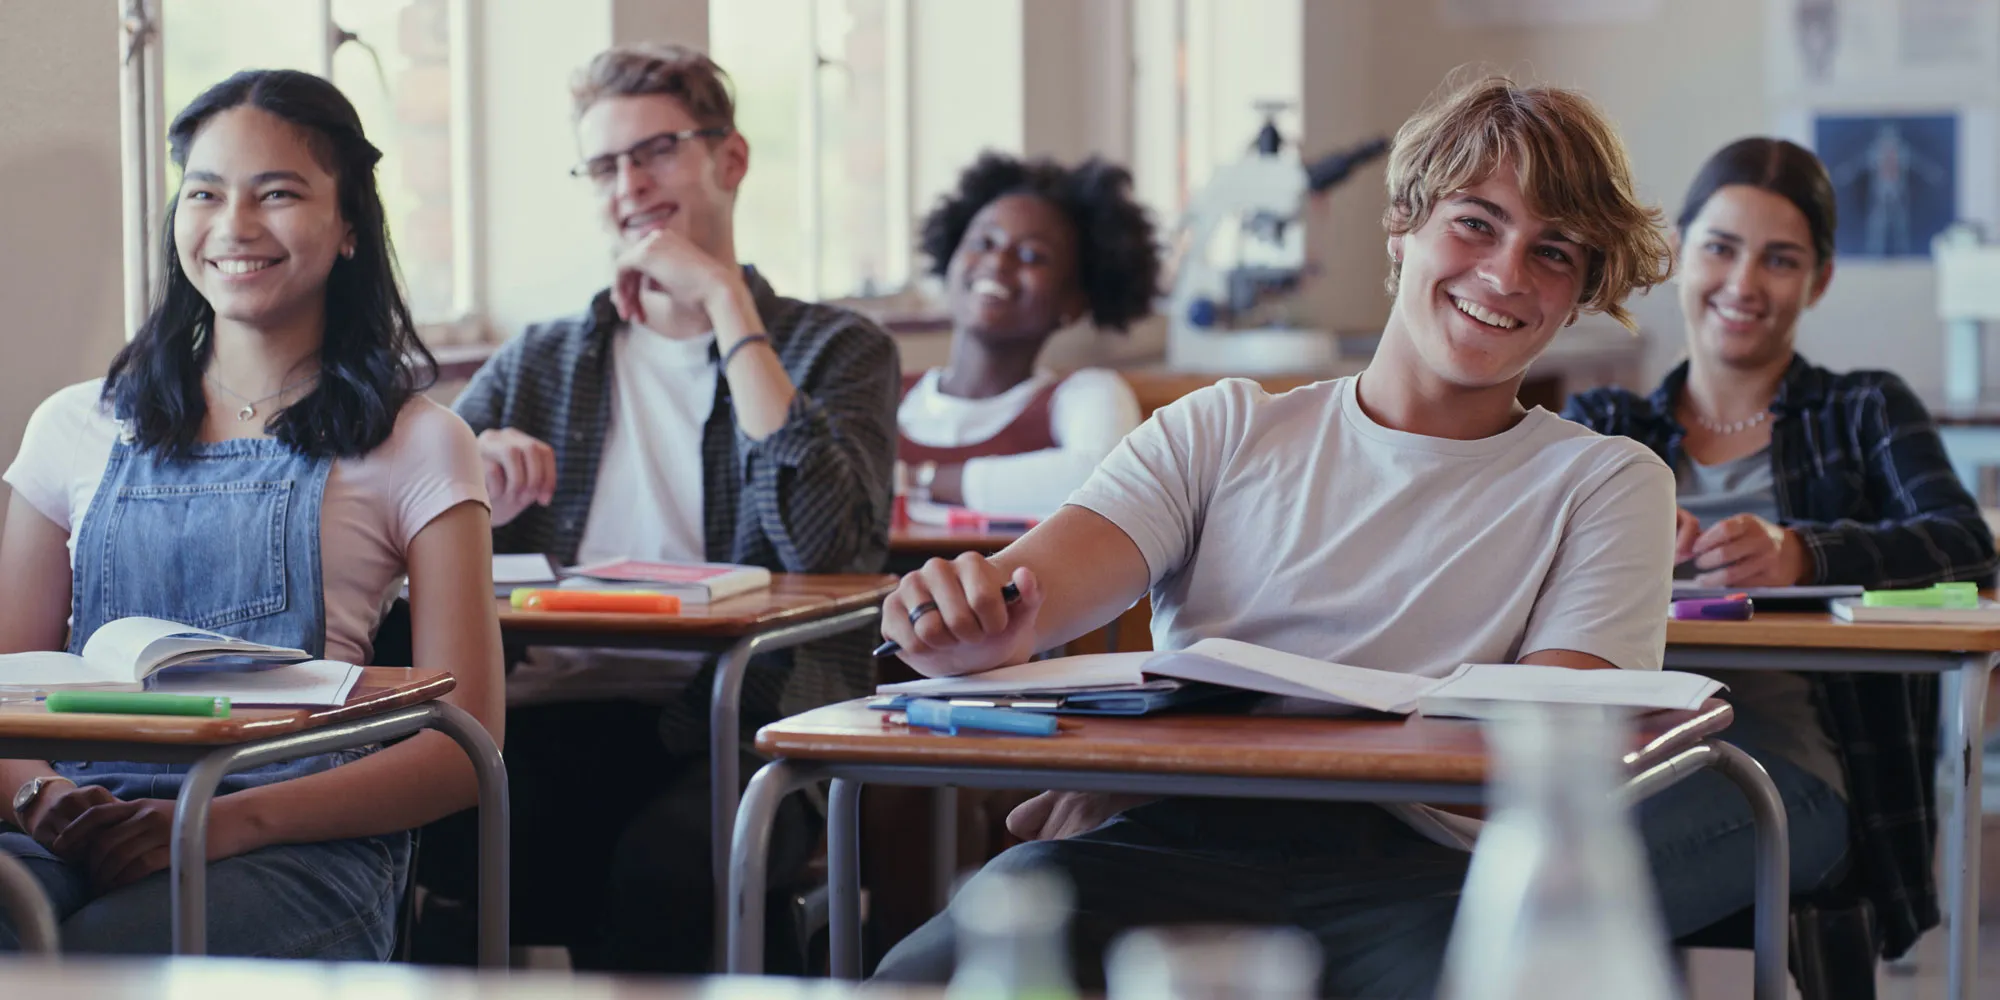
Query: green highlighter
1951, 596
138, 703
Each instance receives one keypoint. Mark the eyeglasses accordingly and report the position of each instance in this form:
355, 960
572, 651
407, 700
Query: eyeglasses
602, 170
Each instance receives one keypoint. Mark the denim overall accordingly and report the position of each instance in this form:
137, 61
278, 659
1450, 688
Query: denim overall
227, 539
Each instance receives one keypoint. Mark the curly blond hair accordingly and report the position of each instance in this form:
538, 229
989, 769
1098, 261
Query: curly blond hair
1573, 172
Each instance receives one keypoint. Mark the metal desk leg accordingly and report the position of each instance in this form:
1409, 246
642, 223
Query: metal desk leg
494, 812
843, 879
725, 730
189, 850
34, 920
944, 844
749, 861
1773, 872
1964, 726
724, 723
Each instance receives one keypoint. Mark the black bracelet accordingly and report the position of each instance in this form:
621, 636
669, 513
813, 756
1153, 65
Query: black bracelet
741, 344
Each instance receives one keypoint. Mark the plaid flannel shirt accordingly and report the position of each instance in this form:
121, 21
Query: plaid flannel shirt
813, 497
1861, 477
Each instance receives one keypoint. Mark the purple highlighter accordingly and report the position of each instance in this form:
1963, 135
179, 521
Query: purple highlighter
1734, 608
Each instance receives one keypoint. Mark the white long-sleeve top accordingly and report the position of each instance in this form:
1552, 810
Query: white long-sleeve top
1090, 412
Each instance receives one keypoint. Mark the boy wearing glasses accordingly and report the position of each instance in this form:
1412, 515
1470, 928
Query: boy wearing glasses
690, 413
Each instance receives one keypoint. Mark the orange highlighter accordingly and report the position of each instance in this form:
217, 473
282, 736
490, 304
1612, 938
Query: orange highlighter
627, 601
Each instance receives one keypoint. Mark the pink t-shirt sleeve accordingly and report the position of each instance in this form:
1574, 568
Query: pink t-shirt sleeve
67, 434
433, 465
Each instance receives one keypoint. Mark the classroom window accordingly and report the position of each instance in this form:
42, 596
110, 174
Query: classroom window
401, 64
821, 95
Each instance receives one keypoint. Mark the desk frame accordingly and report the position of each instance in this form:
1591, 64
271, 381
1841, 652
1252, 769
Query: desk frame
1962, 714
751, 847
725, 710
189, 849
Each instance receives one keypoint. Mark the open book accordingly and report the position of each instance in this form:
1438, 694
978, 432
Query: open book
132, 654
1470, 691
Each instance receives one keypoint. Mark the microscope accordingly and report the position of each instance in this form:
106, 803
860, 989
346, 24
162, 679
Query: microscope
1243, 250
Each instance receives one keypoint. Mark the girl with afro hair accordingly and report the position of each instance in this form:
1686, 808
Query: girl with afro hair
1025, 249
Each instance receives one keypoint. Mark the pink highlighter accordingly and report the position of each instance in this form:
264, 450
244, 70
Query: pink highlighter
1734, 608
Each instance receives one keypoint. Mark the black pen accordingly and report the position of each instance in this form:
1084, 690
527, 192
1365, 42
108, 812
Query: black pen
1009, 593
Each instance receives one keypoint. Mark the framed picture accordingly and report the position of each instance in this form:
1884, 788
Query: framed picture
1895, 179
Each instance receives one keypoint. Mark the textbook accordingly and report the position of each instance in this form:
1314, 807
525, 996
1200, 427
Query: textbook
526, 569
1853, 610
693, 583
1469, 691
1685, 590
150, 654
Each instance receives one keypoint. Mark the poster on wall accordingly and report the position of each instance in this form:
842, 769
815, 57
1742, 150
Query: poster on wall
1895, 180
1882, 52
1899, 98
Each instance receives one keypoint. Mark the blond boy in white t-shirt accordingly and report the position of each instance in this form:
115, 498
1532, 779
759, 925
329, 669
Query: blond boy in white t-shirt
1410, 518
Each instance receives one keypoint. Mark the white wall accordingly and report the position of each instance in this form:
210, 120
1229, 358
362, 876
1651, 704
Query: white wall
546, 252
966, 90
1679, 85
61, 263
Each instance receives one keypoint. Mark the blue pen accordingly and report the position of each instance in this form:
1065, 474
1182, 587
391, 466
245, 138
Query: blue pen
947, 718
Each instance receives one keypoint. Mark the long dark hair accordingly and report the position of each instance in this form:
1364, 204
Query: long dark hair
1783, 168
371, 361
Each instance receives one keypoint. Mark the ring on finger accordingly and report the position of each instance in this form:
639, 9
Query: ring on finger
921, 610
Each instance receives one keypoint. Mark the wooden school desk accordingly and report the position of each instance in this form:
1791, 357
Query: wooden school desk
797, 608
232, 979
389, 703
1817, 641
1352, 760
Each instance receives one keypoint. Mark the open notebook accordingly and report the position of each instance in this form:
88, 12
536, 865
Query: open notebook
133, 654
1470, 691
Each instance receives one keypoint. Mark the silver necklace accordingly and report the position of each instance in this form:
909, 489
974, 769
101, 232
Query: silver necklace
1736, 427
249, 409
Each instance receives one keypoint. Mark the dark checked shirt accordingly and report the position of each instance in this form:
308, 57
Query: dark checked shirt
813, 497
1861, 476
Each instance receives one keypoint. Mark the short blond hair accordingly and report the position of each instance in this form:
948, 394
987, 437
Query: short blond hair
668, 70
1573, 172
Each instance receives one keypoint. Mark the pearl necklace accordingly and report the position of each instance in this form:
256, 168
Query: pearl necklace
1737, 427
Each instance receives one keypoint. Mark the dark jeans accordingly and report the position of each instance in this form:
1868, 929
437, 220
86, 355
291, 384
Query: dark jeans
1377, 895
610, 840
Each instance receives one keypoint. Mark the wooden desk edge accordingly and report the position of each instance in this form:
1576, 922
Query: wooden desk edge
244, 726
1026, 754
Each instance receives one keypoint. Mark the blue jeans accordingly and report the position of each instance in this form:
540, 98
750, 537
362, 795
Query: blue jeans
1378, 896
329, 901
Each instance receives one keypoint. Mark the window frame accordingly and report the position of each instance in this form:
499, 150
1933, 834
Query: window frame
143, 162
898, 173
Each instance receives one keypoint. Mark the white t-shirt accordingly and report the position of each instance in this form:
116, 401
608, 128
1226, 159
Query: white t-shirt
1296, 522
647, 504
372, 508
1089, 413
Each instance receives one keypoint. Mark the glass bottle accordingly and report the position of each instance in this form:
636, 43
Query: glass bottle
1559, 903
1012, 940
1196, 962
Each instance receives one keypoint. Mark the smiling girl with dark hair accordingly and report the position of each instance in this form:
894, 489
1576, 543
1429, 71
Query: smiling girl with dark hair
1025, 249
257, 462
1787, 473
